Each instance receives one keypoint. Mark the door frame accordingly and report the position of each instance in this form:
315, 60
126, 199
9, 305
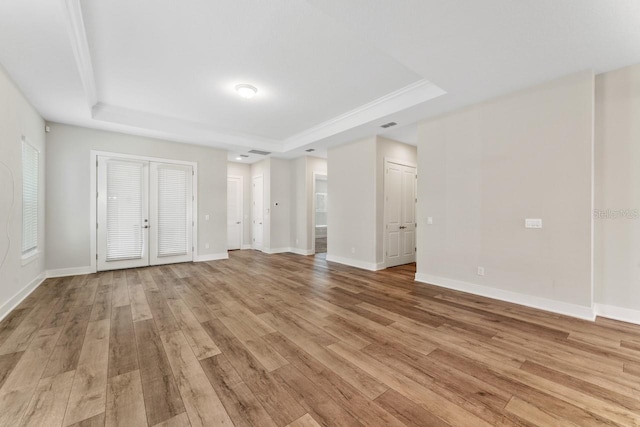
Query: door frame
388, 160
93, 198
241, 178
313, 211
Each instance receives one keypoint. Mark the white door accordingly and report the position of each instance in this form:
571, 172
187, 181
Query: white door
257, 211
123, 219
144, 213
234, 212
171, 219
400, 211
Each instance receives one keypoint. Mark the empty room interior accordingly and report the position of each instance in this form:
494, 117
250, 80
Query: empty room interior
319, 213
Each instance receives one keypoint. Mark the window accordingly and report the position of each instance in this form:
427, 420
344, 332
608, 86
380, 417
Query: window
29, 199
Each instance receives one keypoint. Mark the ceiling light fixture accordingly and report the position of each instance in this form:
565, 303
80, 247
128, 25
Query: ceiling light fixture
238, 158
246, 91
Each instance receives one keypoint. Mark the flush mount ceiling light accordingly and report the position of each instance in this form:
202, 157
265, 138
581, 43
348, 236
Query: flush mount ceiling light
238, 158
246, 91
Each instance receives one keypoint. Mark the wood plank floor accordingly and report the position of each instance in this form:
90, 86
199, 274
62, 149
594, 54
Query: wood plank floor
286, 340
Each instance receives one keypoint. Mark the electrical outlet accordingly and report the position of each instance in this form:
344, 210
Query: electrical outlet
353, 250
480, 271
533, 223
206, 217
430, 220
206, 246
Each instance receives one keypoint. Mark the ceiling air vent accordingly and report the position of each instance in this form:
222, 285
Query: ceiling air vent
310, 150
243, 155
388, 125
262, 153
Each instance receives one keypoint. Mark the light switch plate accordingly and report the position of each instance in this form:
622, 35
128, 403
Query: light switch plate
430, 220
533, 223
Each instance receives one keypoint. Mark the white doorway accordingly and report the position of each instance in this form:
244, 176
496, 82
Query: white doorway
400, 213
234, 212
320, 212
257, 211
144, 212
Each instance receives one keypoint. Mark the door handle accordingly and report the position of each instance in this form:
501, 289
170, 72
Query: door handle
238, 222
402, 227
145, 226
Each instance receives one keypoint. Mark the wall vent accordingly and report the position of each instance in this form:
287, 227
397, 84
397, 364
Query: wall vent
388, 125
262, 153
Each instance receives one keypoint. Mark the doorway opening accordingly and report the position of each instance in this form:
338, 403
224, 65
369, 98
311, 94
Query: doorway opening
320, 213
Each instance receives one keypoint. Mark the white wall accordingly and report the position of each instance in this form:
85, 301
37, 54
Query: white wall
390, 150
351, 172
18, 118
243, 170
617, 189
483, 170
68, 189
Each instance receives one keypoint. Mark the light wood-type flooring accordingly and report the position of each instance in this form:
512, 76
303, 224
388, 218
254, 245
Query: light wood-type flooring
287, 340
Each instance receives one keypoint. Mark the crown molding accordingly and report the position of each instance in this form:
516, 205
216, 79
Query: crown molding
181, 130
200, 133
401, 99
80, 46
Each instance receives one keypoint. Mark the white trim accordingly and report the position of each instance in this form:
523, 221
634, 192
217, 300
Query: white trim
71, 271
93, 188
560, 307
244, 246
304, 252
80, 46
29, 257
176, 129
356, 263
271, 251
617, 313
401, 99
173, 128
13, 302
211, 257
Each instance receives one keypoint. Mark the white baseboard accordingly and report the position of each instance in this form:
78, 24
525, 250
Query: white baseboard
243, 247
73, 271
559, 307
302, 251
356, 263
275, 250
618, 313
211, 257
8, 306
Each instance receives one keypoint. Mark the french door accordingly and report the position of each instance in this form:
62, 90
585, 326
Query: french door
145, 213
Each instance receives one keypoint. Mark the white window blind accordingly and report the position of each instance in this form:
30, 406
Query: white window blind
172, 210
125, 192
29, 198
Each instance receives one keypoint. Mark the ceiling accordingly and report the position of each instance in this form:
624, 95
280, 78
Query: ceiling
327, 71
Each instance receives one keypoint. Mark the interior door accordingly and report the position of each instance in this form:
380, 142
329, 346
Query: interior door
257, 211
171, 205
400, 199
234, 212
123, 209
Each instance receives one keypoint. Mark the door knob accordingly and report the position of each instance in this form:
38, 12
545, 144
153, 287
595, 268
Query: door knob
402, 227
238, 222
145, 226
